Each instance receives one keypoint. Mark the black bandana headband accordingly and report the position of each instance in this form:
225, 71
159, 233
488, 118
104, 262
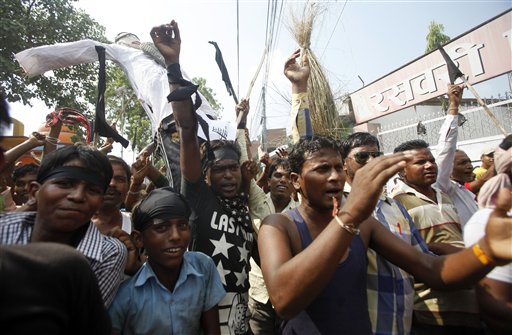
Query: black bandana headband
75, 172
161, 203
223, 153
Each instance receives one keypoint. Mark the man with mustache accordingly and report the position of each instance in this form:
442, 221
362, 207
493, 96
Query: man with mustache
110, 216
436, 216
454, 166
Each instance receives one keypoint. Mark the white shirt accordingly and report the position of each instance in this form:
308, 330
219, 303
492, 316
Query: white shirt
463, 199
473, 231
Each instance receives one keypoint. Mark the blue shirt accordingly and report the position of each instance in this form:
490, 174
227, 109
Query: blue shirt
144, 306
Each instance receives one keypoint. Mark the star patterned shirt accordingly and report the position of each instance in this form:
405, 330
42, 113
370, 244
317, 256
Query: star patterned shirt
221, 228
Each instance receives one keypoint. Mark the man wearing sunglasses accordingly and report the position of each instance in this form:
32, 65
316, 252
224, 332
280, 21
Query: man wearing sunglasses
390, 290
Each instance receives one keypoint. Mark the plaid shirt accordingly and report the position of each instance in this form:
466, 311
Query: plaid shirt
390, 290
107, 255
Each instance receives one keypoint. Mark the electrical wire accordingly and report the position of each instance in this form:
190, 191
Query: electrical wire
334, 29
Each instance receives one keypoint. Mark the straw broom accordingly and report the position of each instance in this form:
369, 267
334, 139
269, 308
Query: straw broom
324, 118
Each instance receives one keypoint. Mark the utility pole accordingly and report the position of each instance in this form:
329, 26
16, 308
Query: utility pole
264, 120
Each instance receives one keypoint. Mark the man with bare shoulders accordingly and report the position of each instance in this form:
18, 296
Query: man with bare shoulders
314, 258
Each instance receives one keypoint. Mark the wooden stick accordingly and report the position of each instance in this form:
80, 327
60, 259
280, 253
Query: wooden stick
487, 110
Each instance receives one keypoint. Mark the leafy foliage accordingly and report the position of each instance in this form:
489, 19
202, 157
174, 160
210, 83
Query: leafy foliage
435, 36
30, 23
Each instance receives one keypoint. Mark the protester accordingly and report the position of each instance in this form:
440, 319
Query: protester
22, 176
263, 317
110, 215
176, 291
487, 158
221, 226
492, 292
308, 286
8, 203
111, 220
436, 218
70, 185
390, 289
454, 166
47, 288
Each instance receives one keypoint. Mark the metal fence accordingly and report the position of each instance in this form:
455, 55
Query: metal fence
477, 125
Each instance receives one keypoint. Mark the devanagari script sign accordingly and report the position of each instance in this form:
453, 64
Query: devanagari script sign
481, 54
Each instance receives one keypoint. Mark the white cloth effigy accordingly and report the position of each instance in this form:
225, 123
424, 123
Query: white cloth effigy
147, 78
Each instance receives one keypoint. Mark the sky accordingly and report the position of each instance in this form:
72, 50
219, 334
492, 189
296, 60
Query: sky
351, 39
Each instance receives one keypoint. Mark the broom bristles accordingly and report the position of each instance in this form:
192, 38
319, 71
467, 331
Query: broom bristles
324, 117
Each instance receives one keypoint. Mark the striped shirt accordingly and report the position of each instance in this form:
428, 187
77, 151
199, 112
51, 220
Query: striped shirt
106, 255
438, 222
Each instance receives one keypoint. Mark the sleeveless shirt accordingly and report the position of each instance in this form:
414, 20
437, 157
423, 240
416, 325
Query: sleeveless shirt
341, 308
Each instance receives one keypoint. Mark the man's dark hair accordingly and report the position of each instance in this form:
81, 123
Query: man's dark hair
305, 146
506, 143
23, 170
411, 145
277, 162
214, 145
355, 140
92, 159
119, 161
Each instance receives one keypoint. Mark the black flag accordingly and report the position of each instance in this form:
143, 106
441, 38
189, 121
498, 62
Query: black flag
224, 71
100, 123
453, 70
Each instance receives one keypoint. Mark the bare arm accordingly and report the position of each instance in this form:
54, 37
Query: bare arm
167, 39
460, 269
298, 74
263, 179
294, 278
11, 155
210, 321
440, 248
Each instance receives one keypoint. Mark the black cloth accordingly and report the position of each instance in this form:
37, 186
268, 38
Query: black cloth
453, 70
48, 288
100, 123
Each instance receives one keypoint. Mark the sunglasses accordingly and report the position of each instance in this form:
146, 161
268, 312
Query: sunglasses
362, 157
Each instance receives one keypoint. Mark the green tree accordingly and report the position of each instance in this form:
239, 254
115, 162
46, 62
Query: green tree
123, 107
30, 23
435, 36
208, 93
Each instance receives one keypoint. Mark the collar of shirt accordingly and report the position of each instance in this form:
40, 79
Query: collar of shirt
402, 187
146, 272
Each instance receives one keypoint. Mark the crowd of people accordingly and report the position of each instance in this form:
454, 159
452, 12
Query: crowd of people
310, 245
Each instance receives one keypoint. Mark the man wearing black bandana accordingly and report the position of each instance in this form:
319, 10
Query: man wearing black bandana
69, 189
211, 181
